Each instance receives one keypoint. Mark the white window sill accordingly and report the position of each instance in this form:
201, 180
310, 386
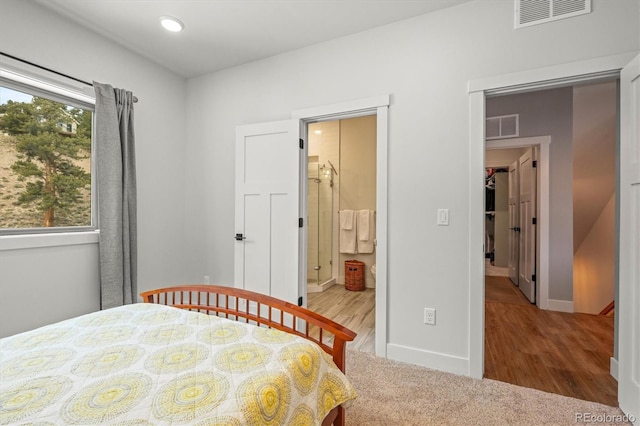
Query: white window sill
18, 242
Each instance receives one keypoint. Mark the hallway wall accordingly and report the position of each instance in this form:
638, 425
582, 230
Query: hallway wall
542, 113
594, 264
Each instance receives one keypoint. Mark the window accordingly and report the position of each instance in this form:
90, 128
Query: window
45, 158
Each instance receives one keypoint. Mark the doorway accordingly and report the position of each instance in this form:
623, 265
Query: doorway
627, 68
586, 125
285, 274
378, 107
511, 214
342, 181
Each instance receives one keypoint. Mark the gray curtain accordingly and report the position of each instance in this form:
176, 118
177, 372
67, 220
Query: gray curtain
116, 186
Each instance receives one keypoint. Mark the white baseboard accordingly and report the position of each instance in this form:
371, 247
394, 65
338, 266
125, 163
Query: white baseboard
613, 368
433, 360
561, 305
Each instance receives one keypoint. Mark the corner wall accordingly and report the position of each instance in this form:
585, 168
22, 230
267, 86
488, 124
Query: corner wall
60, 282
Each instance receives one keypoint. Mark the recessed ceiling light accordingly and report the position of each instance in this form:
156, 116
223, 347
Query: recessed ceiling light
317, 132
171, 24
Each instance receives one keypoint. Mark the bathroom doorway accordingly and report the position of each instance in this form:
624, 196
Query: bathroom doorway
342, 178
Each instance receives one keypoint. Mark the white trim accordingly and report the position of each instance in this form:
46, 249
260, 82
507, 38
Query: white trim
432, 360
48, 87
613, 367
522, 81
628, 301
543, 246
561, 305
476, 234
377, 105
339, 109
382, 255
19, 242
550, 76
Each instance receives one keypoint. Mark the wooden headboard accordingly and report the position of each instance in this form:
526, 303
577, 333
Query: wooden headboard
259, 309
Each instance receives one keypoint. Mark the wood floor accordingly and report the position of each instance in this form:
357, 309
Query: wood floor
557, 352
353, 309
566, 354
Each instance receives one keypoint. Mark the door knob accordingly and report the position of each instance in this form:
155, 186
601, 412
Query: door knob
240, 237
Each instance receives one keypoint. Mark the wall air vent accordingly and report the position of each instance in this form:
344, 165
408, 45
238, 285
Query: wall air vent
534, 12
503, 126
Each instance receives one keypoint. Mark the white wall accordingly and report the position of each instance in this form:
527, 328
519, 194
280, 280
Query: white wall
425, 64
358, 180
594, 154
63, 281
594, 264
594, 186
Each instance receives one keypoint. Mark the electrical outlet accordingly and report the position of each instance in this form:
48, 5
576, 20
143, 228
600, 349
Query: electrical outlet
206, 279
429, 316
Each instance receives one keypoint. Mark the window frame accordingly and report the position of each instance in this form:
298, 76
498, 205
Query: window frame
34, 82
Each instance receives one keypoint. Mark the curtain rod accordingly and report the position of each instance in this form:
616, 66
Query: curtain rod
45, 68
135, 99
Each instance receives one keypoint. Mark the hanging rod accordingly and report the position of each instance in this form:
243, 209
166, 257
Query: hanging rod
24, 61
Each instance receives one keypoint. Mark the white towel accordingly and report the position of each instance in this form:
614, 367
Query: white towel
348, 232
366, 231
347, 219
363, 225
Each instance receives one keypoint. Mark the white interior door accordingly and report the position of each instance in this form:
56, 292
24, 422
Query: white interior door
514, 222
628, 301
267, 209
527, 202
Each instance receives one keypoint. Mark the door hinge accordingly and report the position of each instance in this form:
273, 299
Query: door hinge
300, 301
534, 220
535, 163
301, 144
533, 278
300, 222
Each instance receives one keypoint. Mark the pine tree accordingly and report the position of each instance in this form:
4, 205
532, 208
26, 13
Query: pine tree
47, 149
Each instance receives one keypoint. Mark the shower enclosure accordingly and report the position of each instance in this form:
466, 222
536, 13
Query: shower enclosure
320, 238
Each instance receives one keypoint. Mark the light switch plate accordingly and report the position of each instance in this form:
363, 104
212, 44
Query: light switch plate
443, 217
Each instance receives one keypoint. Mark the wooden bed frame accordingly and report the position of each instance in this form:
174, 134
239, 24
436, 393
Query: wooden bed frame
262, 310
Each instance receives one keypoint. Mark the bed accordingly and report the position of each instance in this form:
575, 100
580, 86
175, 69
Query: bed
196, 355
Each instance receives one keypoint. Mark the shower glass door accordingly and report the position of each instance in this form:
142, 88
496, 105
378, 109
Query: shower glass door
320, 223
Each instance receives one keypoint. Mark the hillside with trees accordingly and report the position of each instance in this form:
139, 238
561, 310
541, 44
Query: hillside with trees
45, 158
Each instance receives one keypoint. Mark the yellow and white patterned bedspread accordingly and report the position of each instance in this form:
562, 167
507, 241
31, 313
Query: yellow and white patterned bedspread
146, 364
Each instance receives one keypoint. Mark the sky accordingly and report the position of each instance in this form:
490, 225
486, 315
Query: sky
12, 95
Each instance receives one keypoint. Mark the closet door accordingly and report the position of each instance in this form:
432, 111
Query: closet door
527, 255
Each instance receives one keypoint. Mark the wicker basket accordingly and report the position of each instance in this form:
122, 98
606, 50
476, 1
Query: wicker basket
354, 275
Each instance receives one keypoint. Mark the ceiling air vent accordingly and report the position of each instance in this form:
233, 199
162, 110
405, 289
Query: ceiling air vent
533, 12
